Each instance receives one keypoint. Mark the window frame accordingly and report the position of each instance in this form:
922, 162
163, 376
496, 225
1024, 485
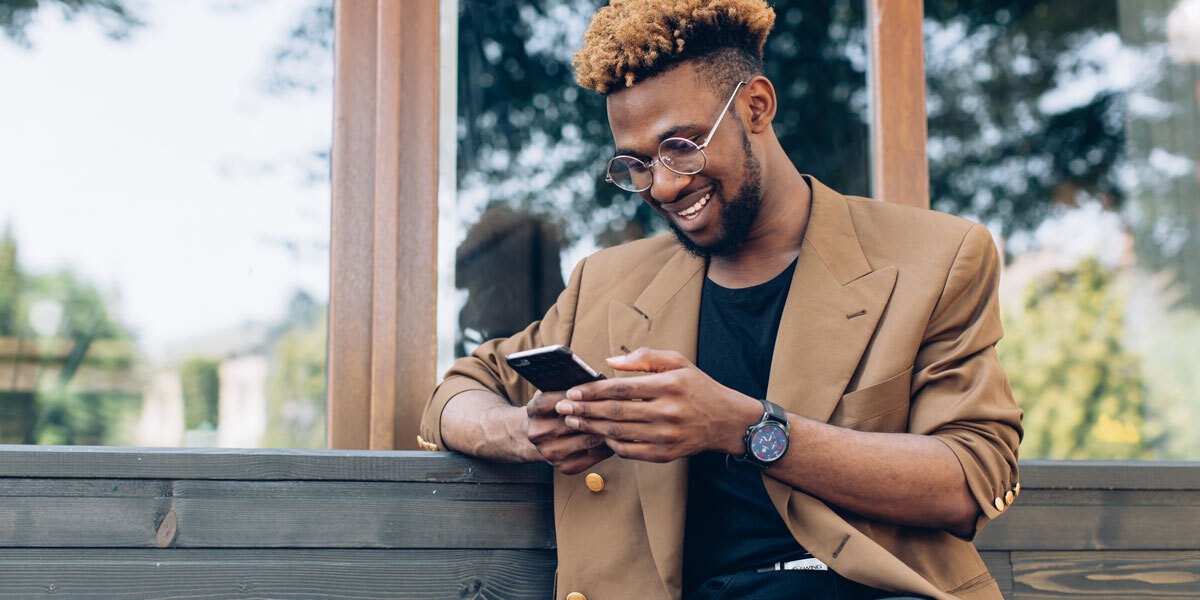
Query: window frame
382, 358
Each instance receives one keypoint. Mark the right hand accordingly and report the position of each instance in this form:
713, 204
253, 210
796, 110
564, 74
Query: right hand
568, 450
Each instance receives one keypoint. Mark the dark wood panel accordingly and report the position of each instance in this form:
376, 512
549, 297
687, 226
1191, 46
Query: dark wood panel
1100, 474
1001, 568
332, 574
217, 463
1125, 575
215, 514
81, 513
1093, 528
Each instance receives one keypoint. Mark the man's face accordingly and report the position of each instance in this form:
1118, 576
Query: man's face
713, 211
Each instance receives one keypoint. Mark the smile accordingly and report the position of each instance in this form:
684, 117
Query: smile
691, 211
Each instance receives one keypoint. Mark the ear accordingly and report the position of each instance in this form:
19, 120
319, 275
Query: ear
762, 104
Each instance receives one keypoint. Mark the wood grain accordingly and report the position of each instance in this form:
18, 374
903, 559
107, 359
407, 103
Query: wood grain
262, 464
1125, 575
317, 574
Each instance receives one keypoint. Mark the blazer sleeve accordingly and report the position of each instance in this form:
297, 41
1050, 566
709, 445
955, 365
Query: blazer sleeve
485, 368
961, 395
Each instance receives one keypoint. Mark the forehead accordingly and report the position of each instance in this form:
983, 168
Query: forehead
640, 116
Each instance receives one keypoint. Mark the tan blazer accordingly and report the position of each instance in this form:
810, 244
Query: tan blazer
890, 325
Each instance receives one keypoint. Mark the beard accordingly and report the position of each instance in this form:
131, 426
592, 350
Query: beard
738, 214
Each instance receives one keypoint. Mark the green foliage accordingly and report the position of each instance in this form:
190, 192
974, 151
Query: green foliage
10, 283
59, 408
113, 15
296, 380
1083, 393
201, 383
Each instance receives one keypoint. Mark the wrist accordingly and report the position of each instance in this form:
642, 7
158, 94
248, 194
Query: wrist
747, 411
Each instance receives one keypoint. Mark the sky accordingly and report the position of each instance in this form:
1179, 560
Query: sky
161, 170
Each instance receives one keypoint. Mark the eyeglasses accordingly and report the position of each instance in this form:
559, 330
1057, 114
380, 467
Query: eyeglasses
680, 155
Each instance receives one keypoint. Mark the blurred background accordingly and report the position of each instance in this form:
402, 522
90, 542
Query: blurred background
165, 202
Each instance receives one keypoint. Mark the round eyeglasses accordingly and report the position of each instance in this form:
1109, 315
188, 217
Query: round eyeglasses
680, 155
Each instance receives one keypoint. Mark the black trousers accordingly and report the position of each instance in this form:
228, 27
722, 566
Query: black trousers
788, 585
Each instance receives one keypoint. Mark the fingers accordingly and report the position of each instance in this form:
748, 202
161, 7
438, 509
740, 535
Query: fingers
542, 404
612, 410
626, 431
577, 463
649, 360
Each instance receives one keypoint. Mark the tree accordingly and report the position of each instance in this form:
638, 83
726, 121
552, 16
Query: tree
1083, 392
113, 15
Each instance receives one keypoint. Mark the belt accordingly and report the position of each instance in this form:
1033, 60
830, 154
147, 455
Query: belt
803, 564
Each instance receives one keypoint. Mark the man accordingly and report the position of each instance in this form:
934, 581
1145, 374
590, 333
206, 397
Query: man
803, 395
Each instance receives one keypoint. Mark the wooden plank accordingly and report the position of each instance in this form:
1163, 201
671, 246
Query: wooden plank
331, 574
1112, 527
350, 246
385, 315
1101, 474
263, 465
899, 170
1125, 575
1001, 568
244, 514
415, 366
81, 513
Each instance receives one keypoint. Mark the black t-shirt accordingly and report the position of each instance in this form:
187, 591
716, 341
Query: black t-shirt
731, 524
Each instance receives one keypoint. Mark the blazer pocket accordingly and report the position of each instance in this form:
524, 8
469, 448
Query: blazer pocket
879, 407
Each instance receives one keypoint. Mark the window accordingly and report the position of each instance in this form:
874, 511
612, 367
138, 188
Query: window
532, 146
1074, 134
165, 211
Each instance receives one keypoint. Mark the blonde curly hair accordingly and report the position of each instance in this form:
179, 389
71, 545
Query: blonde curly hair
630, 40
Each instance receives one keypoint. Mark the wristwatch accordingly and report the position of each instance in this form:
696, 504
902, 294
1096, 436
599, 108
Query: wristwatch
767, 440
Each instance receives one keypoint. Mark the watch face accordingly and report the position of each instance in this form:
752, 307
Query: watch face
769, 442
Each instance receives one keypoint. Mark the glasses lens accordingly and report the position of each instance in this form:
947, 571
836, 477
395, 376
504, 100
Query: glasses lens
681, 155
629, 174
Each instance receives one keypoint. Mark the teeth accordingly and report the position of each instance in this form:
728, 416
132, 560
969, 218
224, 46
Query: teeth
695, 208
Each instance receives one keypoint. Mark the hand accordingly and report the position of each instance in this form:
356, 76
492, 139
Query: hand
568, 450
682, 410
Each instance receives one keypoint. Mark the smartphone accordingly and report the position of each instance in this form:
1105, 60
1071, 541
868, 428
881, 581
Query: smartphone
552, 368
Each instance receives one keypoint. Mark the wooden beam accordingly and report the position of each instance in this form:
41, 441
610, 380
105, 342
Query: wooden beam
352, 236
899, 169
382, 335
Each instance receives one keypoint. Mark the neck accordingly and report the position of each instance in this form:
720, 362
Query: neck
775, 239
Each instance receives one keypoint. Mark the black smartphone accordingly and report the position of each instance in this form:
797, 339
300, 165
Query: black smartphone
552, 368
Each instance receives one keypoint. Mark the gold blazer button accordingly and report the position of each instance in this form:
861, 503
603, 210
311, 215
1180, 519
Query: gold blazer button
1009, 496
576, 595
595, 483
999, 504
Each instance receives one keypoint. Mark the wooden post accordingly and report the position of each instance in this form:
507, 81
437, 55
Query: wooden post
382, 325
899, 169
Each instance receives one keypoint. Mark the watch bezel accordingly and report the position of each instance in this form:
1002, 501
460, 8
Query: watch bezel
773, 416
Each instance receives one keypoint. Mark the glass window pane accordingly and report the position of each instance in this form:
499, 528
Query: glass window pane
164, 222
1074, 133
533, 145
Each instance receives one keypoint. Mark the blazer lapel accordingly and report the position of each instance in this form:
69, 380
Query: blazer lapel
834, 304
665, 317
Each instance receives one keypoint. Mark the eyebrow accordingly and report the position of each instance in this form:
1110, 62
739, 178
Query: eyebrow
670, 133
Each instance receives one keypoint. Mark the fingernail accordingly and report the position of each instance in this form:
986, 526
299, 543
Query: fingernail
572, 422
618, 358
574, 395
564, 408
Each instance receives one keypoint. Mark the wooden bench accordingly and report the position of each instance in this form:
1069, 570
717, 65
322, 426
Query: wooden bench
130, 523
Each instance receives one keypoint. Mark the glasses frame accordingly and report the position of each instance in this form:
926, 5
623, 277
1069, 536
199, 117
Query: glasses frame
659, 160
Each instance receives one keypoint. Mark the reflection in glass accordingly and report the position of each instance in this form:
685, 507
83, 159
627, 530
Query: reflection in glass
1075, 135
164, 221
532, 145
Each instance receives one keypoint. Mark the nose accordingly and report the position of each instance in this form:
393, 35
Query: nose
667, 183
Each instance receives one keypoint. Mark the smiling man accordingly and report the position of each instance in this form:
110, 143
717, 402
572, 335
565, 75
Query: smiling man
803, 395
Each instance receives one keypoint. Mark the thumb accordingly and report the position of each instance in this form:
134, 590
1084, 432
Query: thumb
649, 360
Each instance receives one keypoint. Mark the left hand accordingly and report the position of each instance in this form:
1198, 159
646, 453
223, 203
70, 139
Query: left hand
681, 412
